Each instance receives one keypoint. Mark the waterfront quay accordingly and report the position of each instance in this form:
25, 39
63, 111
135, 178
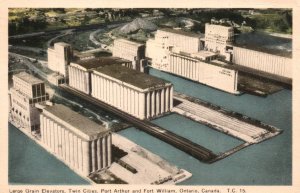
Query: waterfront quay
199, 152
239, 126
140, 166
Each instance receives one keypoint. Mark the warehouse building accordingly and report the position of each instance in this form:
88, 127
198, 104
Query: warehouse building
271, 63
136, 93
129, 50
81, 143
80, 71
59, 57
204, 68
25, 93
217, 37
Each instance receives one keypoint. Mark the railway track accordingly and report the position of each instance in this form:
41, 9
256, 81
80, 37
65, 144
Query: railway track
197, 151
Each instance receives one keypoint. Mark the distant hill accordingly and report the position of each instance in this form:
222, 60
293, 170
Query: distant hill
136, 25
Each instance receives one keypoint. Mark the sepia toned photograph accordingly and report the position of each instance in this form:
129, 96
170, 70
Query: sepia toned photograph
150, 96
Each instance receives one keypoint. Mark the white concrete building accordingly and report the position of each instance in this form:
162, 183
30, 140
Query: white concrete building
266, 62
80, 71
129, 50
25, 93
158, 51
167, 40
186, 41
209, 71
136, 93
81, 143
59, 58
217, 37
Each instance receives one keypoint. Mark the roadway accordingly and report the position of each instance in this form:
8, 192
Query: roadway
197, 151
28, 62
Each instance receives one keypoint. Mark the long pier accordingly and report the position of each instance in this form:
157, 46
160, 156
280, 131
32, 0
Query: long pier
197, 151
228, 122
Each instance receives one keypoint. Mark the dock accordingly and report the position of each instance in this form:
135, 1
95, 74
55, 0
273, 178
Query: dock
231, 123
148, 167
197, 151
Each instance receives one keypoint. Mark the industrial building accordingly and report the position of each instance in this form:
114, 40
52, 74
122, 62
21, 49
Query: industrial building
217, 37
82, 144
59, 57
171, 55
136, 93
25, 93
157, 51
185, 41
80, 71
129, 50
202, 67
166, 40
263, 61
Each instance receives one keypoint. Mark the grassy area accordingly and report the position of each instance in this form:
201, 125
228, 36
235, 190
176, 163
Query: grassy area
104, 38
79, 40
140, 36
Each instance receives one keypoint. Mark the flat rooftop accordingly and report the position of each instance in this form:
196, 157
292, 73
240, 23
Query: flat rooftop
203, 53
129, 42
265, 50
62, 44
100, 62
78, 121
133, 77
215, 62
28, 78
82, 54
181, 32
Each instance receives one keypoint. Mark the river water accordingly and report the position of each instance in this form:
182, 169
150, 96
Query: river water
29, 163
261, 39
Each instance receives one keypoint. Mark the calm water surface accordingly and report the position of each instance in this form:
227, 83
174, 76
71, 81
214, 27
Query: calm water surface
29, 163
